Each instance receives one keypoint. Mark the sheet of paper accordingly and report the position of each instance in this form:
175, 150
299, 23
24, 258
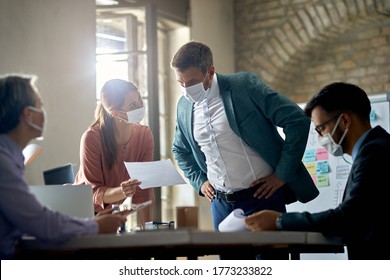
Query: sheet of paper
235, 221
154, 173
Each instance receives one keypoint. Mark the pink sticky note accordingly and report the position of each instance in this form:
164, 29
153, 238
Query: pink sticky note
322, 154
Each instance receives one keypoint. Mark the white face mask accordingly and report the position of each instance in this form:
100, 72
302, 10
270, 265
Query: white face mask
329, 144
135, 116
37, 127
195, 93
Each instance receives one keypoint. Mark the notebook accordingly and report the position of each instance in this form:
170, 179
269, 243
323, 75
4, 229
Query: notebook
71, 200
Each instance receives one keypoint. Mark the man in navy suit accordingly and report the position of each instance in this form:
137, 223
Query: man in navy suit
341, 115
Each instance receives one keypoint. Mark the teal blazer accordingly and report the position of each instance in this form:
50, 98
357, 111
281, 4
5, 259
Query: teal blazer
253, 111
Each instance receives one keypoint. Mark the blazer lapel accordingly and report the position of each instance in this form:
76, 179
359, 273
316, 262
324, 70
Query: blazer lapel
187, 114
226, 96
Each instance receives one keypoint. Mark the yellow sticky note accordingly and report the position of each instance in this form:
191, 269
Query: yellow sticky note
311, 167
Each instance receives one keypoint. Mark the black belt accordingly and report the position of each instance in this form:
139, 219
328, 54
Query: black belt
236, 196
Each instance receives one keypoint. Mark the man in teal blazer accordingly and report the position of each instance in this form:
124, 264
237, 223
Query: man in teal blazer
252, 111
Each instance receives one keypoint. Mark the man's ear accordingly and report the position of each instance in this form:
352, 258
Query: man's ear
346, 120
26, 114
211, 70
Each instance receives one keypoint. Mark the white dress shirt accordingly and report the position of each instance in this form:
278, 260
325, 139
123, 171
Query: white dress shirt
231, 164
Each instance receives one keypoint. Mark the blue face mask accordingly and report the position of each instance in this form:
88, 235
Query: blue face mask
329, 144
195, 93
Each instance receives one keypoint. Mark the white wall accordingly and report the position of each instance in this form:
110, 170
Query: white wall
54, 39
183, 195
212, 23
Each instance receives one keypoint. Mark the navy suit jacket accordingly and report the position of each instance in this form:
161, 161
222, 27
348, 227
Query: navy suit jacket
362, 216
253, 111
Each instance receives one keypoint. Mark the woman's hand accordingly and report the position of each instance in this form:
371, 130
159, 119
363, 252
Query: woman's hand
129, 187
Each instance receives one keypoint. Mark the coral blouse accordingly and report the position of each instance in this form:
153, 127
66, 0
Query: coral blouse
94, 168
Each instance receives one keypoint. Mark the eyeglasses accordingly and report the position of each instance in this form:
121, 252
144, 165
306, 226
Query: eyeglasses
320, 128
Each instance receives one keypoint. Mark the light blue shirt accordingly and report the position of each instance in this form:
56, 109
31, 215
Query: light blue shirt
358, 144
20, 211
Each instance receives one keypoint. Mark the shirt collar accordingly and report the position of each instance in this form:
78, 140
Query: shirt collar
358, 143
9, 145
214, 89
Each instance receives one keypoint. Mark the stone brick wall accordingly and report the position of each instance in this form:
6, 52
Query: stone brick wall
299, 46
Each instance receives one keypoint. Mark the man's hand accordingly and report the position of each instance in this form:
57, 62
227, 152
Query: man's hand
262, 220
268, 186
208, 190
108, 222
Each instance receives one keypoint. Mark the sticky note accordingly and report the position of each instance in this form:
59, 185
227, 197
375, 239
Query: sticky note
322, 154
322, 167
309, 155
311, 167
322, 180
342, 171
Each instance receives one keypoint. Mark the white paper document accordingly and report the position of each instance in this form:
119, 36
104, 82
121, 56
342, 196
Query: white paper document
235, 221
153, 174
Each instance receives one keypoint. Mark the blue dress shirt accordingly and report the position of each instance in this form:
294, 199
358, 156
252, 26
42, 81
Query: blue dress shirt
20, 211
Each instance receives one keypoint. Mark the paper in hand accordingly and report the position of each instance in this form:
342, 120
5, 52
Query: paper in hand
235, 221
154, 173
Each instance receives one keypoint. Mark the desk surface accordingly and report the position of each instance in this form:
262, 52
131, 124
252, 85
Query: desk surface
170, 244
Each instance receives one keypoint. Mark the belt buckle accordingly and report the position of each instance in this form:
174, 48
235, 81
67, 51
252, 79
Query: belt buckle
227, 196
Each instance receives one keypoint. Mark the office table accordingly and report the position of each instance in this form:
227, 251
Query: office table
170, 244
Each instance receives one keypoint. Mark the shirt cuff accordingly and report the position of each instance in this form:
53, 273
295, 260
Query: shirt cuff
92, 227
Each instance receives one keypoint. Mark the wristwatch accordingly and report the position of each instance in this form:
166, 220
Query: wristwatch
278, 222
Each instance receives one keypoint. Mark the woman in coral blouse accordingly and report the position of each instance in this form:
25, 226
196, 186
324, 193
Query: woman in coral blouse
116, 137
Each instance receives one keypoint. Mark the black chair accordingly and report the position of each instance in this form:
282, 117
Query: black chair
59, 175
